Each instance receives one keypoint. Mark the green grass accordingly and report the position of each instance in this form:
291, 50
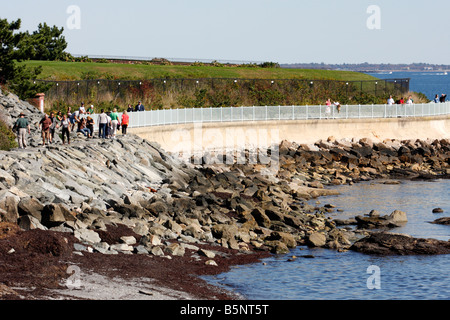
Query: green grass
60, 71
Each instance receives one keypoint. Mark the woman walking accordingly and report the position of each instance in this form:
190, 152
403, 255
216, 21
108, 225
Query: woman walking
65, 127
125, 122
114, 122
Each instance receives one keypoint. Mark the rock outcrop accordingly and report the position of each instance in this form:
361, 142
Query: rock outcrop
382, 243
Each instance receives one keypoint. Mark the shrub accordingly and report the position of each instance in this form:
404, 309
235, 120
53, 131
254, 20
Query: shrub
7, 137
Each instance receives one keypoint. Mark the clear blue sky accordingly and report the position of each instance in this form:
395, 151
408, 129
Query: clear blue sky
284, 31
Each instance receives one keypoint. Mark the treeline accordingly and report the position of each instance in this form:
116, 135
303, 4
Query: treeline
205, 93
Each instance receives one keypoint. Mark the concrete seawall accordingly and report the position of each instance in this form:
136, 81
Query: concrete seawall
236, 135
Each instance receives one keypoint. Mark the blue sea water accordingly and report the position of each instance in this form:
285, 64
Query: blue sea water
333, 275
428, 83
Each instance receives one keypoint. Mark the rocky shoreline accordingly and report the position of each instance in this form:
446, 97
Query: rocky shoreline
126, 208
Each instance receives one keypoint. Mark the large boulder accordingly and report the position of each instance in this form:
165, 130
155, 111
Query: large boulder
56, 214
317, 239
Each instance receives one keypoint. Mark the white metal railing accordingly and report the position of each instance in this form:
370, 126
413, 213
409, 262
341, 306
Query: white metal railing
264, 113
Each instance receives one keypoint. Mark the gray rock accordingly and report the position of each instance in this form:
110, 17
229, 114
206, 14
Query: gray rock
175, 249
157, 251
207, 253
121, 247
28, 222
317, 239
87, 235
398, 217
130, 240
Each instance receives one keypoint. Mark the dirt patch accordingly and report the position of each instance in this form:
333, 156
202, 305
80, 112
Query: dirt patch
113, 233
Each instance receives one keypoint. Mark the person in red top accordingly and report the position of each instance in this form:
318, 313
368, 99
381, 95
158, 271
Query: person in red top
45, 124
125, 121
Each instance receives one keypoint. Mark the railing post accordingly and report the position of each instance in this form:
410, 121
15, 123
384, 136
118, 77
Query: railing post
242, 113
279, 112
385, 111
346, 111
253, 111
221, 114
320, 112
307, 111
293, 115
266, 113
359, 111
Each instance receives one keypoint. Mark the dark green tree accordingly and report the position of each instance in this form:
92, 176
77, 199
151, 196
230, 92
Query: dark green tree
13, 45
47, 43
9, 41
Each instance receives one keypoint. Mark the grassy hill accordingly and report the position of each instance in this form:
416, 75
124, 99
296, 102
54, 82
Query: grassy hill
56, 70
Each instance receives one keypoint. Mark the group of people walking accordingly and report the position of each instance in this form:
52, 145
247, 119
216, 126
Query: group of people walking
81, 120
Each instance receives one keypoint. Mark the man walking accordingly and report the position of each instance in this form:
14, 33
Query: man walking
22, 125
102, 122
45, 124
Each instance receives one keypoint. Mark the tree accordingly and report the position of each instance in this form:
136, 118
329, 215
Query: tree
9, 42
20, 79
47, 43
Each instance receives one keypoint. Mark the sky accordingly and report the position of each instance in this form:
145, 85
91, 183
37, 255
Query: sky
283, 31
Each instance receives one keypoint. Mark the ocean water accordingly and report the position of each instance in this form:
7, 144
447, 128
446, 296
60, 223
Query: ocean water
429, 83
333, 275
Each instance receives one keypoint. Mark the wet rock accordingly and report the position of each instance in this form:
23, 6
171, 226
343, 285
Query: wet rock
445, 221
375, 221
382, 243
286, 238
438, 210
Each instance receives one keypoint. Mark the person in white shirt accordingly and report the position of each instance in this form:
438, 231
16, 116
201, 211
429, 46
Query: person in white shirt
102, 121
390, 101
82, 110
410, 100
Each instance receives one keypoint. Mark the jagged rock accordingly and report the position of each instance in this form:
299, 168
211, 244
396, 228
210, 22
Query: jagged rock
30, 206
56, 214
286, 238
317, 239
121, 247
207, 253
175, 249
395, 219
87, 235
29, 222
128, 240
8, 205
